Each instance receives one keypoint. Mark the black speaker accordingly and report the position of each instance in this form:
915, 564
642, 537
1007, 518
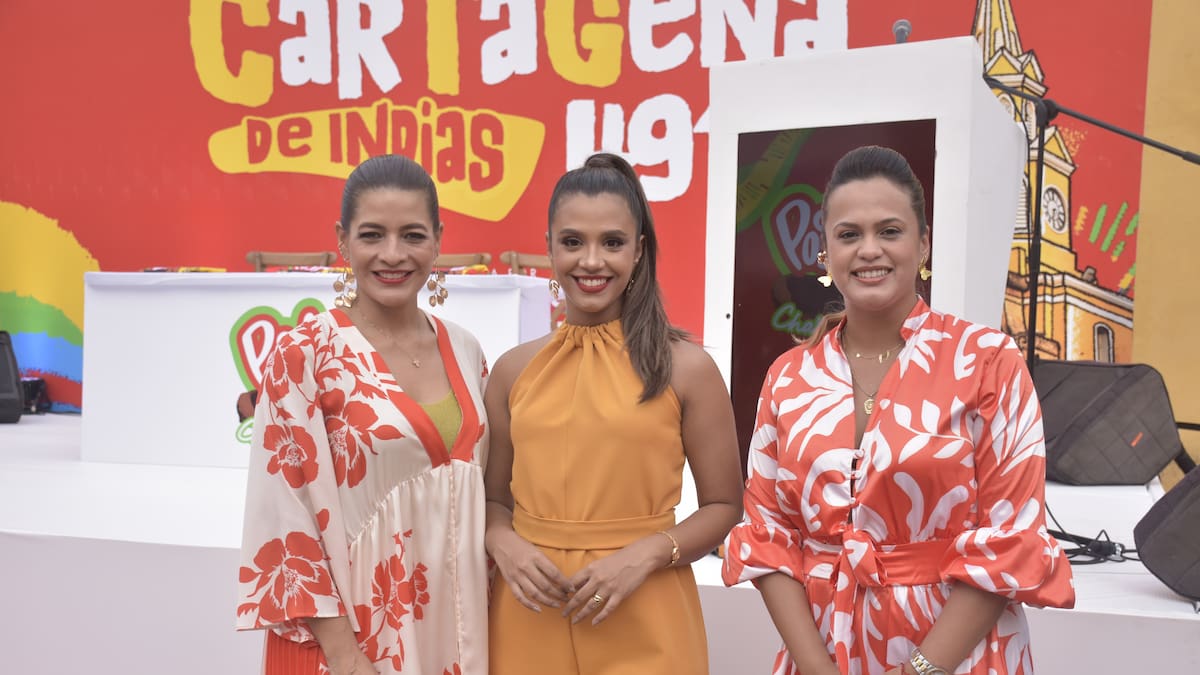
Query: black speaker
37, 398
12, 398
1166, 537
1105, 423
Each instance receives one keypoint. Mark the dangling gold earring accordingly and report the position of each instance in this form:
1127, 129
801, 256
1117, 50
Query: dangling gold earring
924, 271
554, 289
825, 279
345, 285
629, 286
437, 288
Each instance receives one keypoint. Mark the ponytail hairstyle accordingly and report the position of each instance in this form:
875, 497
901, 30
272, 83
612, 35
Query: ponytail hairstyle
648, 335
389, 171
864, 163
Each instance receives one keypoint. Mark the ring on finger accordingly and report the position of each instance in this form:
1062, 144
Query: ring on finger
597, 599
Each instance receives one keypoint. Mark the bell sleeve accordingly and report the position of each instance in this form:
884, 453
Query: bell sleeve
1009, 552
292, 512
765, 541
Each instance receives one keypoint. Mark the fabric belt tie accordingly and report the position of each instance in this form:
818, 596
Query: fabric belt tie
860, 563
900, 565
589, 535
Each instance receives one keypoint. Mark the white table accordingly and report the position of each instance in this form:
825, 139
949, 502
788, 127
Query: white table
161, 352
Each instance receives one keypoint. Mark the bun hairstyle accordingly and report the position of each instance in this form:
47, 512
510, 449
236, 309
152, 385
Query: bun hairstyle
643, 318
389, 171
874, 161
864, 163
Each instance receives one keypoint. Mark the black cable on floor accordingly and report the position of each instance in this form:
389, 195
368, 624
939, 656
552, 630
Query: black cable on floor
1093, 550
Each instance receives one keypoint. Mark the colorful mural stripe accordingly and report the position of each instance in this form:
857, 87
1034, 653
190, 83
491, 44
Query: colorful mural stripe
41, 301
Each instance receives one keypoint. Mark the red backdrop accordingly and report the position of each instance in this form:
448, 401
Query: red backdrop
107, 122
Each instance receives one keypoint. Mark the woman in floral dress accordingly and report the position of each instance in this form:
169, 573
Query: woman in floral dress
894, 518
363, 542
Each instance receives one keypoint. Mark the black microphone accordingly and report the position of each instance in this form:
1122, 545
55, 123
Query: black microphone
901, 30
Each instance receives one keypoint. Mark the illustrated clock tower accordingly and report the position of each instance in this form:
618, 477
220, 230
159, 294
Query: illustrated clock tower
1005, 60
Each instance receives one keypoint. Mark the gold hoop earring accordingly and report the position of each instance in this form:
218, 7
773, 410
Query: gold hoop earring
437, 288
346, 287
924, 271
823, 259
555, 288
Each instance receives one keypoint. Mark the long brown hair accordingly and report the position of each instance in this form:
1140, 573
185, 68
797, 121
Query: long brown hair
864, 163
648, 334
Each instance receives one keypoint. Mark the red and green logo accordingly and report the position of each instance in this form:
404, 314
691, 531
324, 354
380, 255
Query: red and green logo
253, 337
792, 229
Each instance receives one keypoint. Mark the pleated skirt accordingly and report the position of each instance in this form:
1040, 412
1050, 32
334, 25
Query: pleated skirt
284, 657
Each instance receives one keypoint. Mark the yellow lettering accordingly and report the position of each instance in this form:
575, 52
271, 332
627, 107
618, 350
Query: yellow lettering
602, 40
441, 46
253, 84
491, 155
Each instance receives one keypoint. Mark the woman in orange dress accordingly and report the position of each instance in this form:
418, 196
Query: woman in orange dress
591, 426
894, 517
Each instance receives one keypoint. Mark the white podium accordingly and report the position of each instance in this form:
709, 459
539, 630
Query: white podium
165, 356
980, 155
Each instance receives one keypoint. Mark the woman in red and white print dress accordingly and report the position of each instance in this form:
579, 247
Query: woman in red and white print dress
362, 549
894, 518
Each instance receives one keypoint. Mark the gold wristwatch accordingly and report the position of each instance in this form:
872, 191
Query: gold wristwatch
922, 664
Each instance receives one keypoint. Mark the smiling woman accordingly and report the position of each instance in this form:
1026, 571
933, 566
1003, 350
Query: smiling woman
894, 507
595, 248
590, 429
366, 464
390, 243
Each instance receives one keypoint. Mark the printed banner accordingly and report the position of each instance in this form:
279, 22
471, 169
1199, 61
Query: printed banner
234, 127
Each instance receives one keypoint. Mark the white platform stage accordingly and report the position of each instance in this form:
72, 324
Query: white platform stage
127, 569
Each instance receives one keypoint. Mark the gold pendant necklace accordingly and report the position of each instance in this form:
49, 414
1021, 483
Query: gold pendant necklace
416, 363
869, 403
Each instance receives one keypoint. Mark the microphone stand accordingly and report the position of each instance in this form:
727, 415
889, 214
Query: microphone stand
1046, 110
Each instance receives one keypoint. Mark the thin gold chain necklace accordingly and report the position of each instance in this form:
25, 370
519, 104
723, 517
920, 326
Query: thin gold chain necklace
881, 356
869, 401
416, 363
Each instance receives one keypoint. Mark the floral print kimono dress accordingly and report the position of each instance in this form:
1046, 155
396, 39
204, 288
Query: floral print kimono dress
946, 487
356, 507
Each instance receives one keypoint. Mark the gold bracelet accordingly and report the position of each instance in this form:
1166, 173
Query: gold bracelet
674, 548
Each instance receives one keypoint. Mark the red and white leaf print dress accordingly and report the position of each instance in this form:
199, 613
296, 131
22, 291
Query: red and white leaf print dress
947, 486
356, 507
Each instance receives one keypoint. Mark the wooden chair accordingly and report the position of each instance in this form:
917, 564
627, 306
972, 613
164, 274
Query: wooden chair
448, 260
523, 263
520, 263
264, 259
